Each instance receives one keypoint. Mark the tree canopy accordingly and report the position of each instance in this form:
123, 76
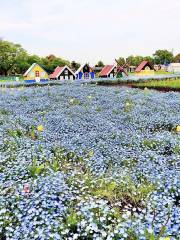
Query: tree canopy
16, 60
99, 64
163, 57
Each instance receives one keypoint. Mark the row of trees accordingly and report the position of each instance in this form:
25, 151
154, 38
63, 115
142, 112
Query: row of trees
14, 59
159, 57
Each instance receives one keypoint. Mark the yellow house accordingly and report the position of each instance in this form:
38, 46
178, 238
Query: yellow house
145, 69
36, 74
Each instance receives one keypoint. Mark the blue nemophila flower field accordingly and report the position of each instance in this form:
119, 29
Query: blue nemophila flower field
89, 162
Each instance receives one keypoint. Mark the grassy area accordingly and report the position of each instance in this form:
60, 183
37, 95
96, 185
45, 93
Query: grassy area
2, 81
175, 84
160, 72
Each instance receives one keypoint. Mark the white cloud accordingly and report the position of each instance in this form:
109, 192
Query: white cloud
91, 30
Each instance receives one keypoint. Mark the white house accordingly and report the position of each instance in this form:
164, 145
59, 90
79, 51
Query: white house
174, 67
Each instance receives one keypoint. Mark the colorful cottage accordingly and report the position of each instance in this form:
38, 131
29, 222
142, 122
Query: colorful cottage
109, 71
85, 72
112, 71
62, 73
145, 69
36, 74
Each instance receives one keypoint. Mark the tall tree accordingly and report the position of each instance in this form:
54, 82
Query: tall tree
9, 53
163, 56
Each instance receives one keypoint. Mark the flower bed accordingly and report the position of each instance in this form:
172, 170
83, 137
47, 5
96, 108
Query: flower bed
88, 162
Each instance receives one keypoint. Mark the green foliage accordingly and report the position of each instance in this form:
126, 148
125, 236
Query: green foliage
15, 60
163, 56
24, 98
136, 60
15, 133
51, 62
149, 144
4, 111
55, 166
124, 191
98, 109
35, 170
31, 132
74, 101
169, 84
100, 64
121, 61
72, 219
75, 65
9, 55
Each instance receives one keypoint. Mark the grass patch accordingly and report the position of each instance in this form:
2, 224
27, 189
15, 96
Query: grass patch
174, 84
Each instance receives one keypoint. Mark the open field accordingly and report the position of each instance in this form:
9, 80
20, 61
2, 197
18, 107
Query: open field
89, 162
172, 84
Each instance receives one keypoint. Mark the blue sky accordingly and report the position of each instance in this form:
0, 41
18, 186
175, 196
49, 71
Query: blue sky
90, 30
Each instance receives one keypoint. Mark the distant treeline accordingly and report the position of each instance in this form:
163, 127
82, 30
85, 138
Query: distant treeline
14, 59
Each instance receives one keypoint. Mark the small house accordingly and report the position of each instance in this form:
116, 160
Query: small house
109, 71
145, 69
85, 72
174, 67
36, 73
62, 73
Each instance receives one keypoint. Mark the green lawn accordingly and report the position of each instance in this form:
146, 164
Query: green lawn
161, 84
9, 80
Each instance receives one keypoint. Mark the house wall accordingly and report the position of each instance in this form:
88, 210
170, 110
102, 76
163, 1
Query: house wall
145, 73
174, 67
85, 71
32, 74
112, 73
109, 76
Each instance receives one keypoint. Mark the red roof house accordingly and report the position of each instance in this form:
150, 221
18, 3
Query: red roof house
62, 73
109, 71
144, 65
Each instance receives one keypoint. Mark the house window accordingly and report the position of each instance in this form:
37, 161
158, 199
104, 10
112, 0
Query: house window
37, 73
86, 75
42, 74
66, 72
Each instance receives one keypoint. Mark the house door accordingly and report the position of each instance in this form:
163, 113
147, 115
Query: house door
111, 75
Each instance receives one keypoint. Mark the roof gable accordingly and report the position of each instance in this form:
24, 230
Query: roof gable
81, 67
58, 70
107, 70
142, 65
31, 68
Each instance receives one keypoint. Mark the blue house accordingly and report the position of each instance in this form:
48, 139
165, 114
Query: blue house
85, 72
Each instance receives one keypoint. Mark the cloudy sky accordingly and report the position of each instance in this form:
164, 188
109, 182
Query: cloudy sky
90, 30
